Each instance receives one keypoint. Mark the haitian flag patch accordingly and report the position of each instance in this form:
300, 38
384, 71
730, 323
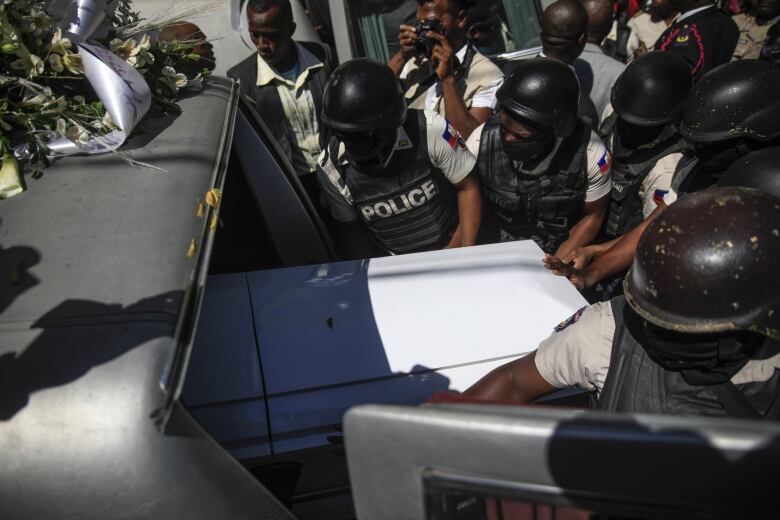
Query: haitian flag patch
452, 137
658, 196
573, 319
605, 162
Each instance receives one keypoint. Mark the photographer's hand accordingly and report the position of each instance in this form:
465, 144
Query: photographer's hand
406, 38
442, 57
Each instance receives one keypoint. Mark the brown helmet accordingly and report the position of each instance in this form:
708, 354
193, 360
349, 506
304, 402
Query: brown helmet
709, 264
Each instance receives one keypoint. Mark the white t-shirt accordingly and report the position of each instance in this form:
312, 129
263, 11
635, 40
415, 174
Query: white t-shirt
485, 98
599, 164
446, 150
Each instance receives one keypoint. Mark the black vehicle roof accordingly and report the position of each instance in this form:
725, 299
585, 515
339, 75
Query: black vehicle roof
98, 302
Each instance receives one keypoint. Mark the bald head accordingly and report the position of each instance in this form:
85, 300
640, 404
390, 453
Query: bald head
600, 16
564, 26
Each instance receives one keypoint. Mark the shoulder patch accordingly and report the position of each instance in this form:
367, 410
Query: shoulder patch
572, 319
605, 162
658, 196
452, 136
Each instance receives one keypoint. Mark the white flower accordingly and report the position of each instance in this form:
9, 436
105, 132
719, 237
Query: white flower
39, 22
106, 123
134, 53
54, 106
72, 62
55, 63
10, 179
31, 64
39, 99
77, 134
58, 43
62, 126
172, 79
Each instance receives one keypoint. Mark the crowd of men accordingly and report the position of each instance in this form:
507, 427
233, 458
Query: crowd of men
639, 150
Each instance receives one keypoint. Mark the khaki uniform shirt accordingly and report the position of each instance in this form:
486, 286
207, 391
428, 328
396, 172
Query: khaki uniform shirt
578, 352
644, 33
751, 37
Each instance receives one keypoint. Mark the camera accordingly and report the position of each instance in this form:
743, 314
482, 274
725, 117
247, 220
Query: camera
423, 45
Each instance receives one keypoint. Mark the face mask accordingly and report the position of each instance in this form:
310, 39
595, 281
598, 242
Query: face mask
369, 152
632, 136
701, 359
526, 149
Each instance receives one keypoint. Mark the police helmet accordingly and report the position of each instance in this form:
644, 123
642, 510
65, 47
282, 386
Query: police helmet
363, 95
544, 91
737, 99
652, 90
759, 169
707, 265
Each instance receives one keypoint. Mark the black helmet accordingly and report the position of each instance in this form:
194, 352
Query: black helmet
363, 95
759, 169
544, 91
737, 99
652, 90
708, 265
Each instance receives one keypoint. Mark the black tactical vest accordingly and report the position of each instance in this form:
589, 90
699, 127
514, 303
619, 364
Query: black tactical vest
629, 169
540, 207
410, 206
636, 384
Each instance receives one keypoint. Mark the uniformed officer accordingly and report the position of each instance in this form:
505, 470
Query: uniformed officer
732, 111
544, 172
759, 169
702, 34
642, 135
696, 333
400, 180
753, 28
647, 26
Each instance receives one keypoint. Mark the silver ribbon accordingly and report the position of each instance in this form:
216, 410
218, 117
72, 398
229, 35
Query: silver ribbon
237, 21
122, 89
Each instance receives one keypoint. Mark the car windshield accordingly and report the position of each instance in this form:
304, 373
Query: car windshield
375, 26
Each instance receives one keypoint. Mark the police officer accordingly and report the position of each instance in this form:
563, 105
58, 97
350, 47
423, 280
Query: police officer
690, 337
702, 34
753, 28
643, 137
397, 180
544, 172
732, 111
760, 170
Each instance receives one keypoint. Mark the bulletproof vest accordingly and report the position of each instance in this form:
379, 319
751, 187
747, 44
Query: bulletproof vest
637, 384
410, 206
629, 169
543, 206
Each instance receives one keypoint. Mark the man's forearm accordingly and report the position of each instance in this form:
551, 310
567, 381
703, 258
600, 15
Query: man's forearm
581, 234
397, 63
618, 258
457, 112
469, 210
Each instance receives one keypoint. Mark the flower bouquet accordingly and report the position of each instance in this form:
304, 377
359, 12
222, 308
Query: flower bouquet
76, 76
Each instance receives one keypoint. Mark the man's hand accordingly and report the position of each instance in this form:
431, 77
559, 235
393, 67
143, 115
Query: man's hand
406, 38
567, 269
442, 57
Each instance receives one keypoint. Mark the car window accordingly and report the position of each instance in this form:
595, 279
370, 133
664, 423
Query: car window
374, 26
